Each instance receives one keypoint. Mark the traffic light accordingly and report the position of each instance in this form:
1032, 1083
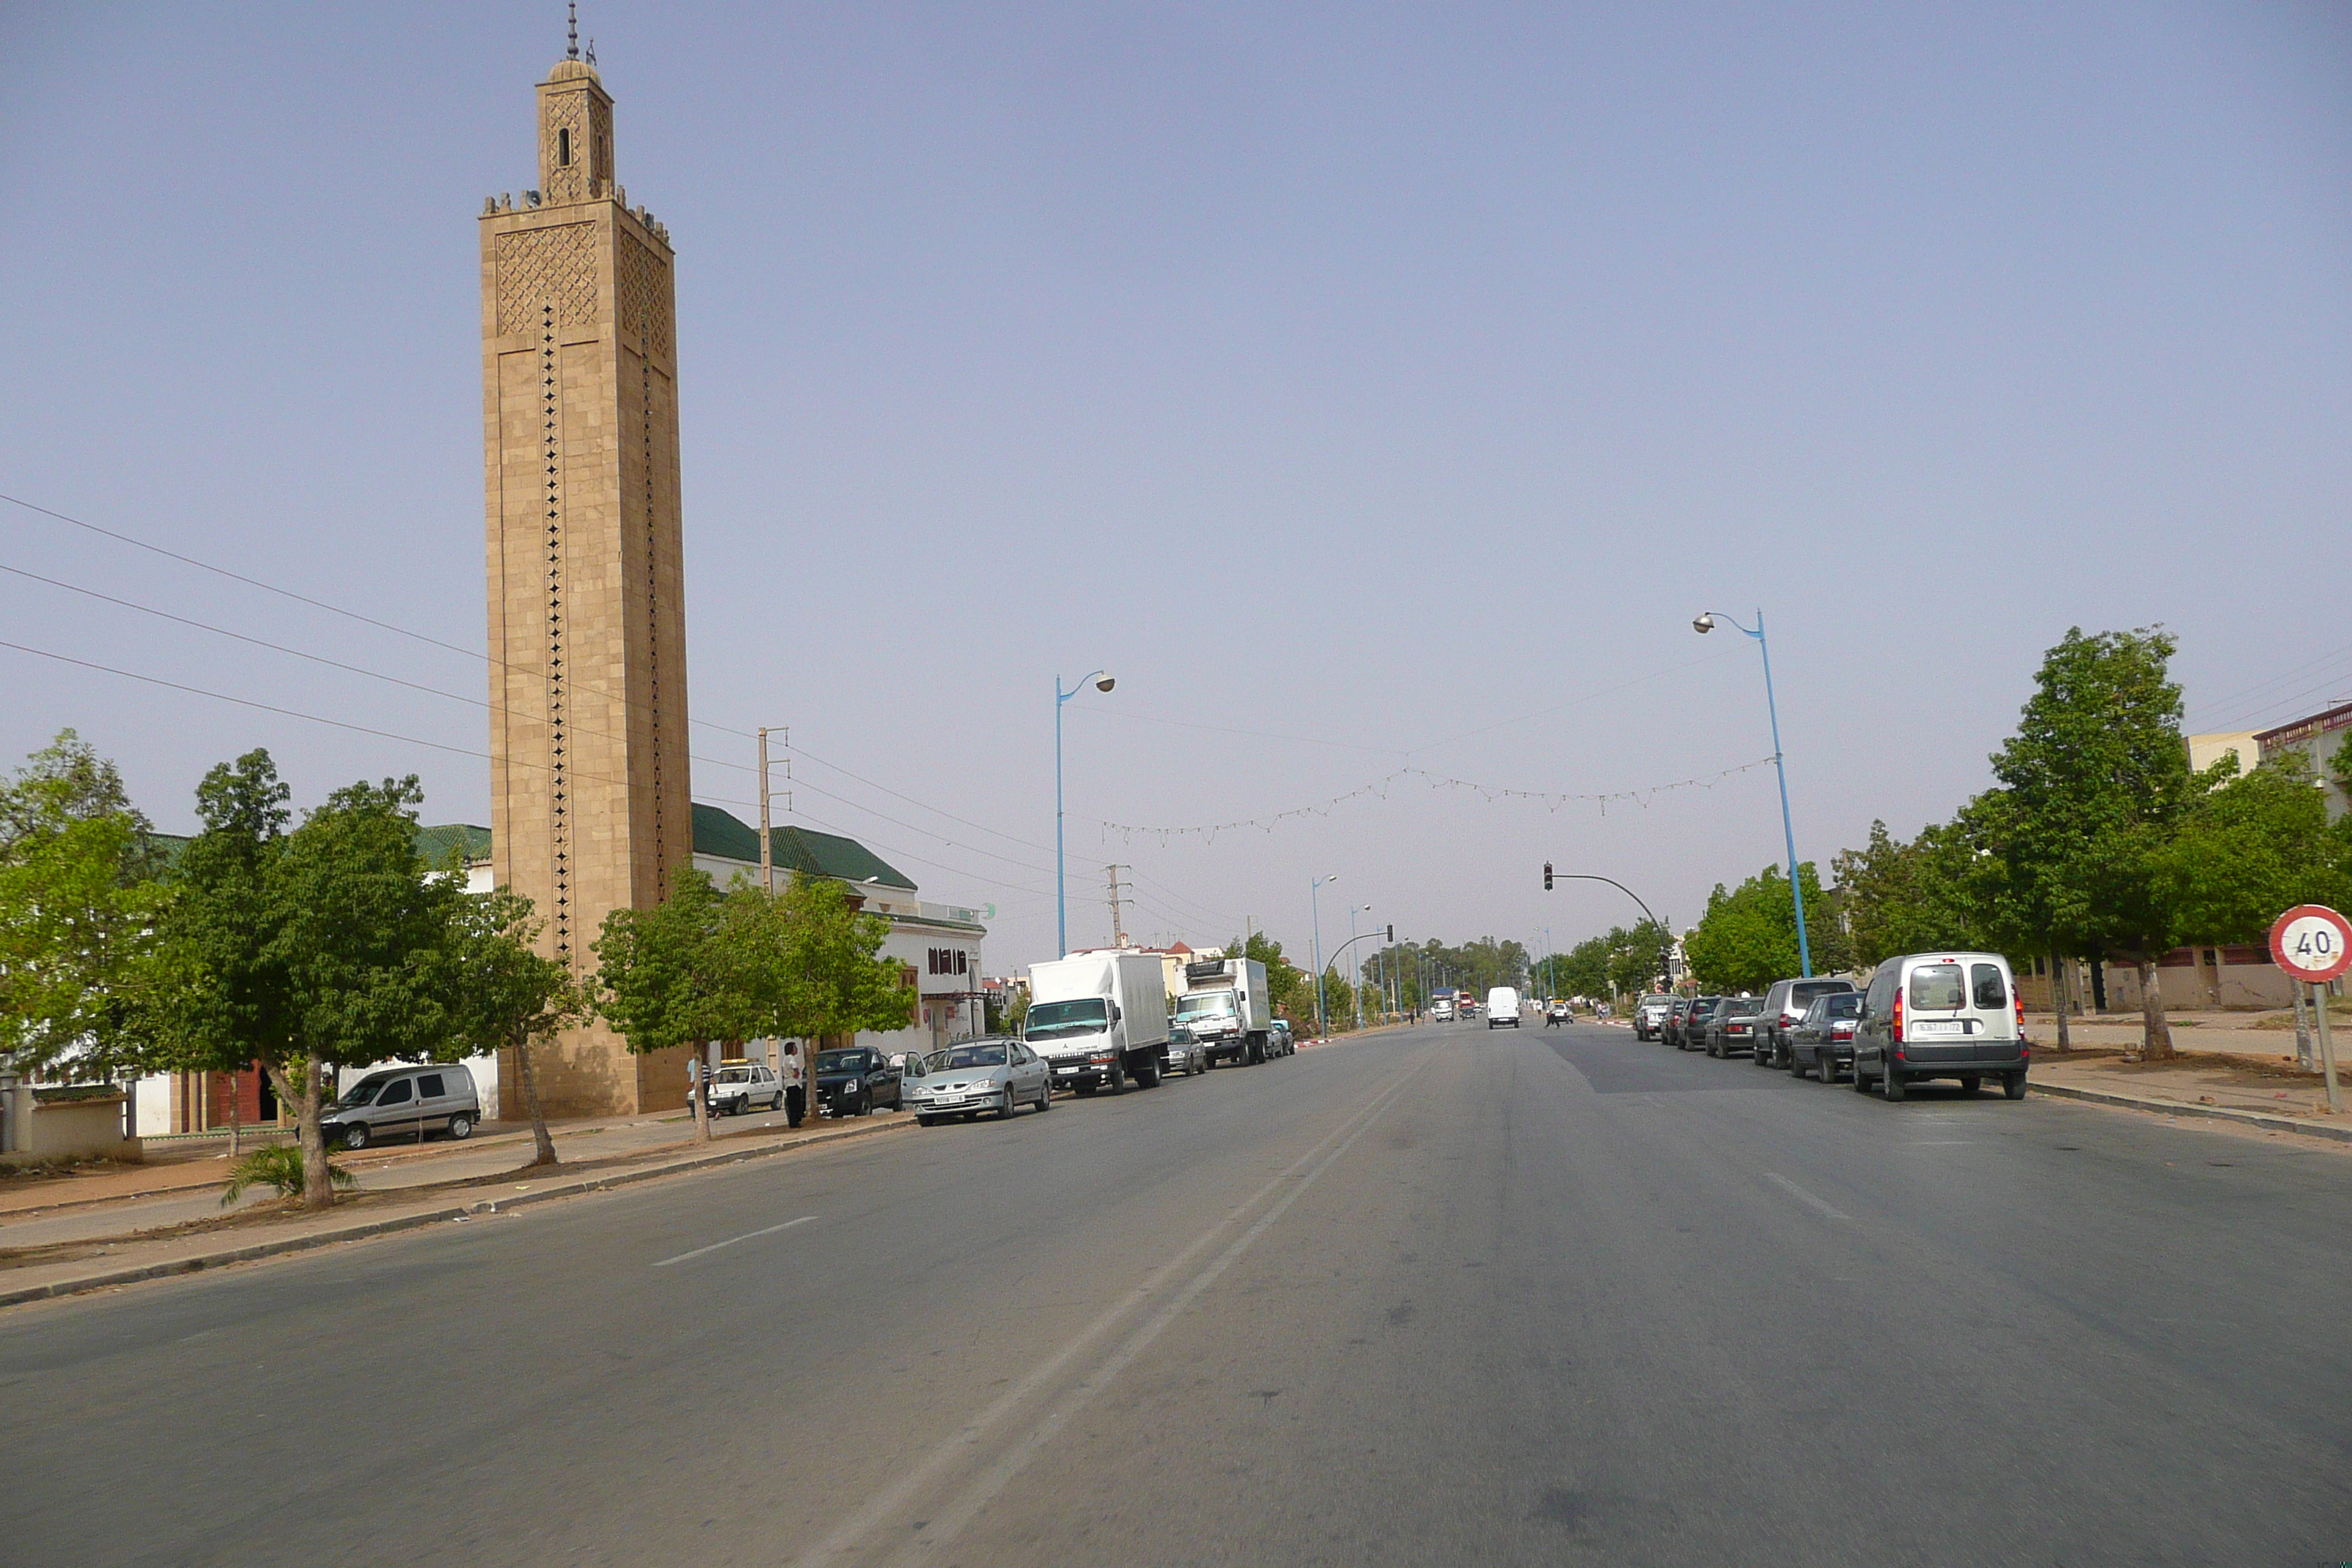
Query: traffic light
1392, 936
1547, 876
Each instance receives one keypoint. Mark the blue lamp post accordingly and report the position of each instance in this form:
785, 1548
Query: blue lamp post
1315, 885
1061, 893
1705, 624
1356, 991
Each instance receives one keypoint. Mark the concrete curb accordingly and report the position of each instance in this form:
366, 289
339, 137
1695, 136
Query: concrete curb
363, 1229
2211, 1112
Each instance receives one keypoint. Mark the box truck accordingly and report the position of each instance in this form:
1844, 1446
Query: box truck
1100, 1020
1225, 1007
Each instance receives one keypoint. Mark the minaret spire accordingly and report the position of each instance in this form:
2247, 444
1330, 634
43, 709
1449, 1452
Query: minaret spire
571, 51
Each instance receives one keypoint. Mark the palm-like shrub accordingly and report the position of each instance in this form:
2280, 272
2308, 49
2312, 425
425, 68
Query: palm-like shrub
278, 1166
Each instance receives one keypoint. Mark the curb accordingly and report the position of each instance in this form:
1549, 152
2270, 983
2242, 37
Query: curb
2211, 1112
246, 1254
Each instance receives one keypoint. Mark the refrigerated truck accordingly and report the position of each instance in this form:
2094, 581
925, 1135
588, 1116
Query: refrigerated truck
1225, 1007
1100, 1020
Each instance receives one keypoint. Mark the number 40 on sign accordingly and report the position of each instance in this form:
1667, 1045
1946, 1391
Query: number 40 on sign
2312, 942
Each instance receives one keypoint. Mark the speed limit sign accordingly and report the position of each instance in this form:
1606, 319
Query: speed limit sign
2312, 942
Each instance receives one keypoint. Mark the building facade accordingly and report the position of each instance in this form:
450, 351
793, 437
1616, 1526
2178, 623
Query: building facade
590, 802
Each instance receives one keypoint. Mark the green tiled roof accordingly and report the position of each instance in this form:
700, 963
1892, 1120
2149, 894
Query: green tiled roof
434, 843
723, 835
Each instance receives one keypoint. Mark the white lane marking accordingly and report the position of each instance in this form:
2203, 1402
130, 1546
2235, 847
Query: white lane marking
1804, 1196
852, 1531
747, 1235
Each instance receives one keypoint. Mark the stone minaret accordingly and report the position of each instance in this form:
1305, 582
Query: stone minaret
589, 803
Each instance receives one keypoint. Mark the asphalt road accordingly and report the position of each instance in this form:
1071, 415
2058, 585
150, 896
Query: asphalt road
1441, 1297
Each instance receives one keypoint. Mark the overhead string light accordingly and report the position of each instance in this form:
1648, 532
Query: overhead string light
1548, 799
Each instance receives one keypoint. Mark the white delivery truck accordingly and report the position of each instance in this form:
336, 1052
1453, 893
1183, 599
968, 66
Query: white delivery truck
1225, 1008
1100, 1020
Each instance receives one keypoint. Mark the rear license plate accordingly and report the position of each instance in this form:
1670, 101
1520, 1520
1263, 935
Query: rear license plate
1941, 1026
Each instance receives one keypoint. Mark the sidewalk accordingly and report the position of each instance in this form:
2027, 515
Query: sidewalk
184, 1230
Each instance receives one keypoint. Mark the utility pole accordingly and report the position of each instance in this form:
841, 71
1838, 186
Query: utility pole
1117, 927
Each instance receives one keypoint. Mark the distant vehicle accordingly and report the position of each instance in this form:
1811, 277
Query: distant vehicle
1502, 1007
1558, 1013
1279, 1040
1941, 1016
1650, 1015
1100, 1020
994, 1074
412, 1103
1441, 1009
1182, 1053
1226, 1008
856, 1080
1823, 1039
1784, 1003
1732, 1031
738, 1086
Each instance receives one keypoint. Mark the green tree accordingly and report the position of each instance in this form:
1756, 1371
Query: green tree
1640, 958
308, 950
667, 977
819, 972
1896, 896
78, 913
504, 995
2090, 789
1747, 938
2247, 850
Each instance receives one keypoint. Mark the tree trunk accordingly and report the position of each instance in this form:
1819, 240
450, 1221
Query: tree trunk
235, 1090
2060, 981
317, 1186
698, 1095
2156, 1043
543, 1141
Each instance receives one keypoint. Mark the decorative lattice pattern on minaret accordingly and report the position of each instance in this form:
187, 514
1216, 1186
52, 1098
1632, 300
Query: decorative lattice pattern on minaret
644, 289
559, 779
557, 265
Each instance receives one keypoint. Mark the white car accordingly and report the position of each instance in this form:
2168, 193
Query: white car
994, 1074
738, 1087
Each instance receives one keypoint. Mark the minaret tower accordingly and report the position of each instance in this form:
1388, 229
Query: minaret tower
590, 809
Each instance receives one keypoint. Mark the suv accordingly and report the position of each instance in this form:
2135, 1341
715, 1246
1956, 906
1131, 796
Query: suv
1650, 1015
1784, 1006
738, 1086
852, 1081
404, 1103
1733, 1030
1941, 1016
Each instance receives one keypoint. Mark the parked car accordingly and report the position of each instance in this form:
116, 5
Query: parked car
1280, 1041
1650, 1015
1823, 1039
411, 1102
1184, 1054
1670, 1027
1941, 1016
1733, 1029
738, 1086
856, 1080
1558, 1013
994, 1074
1691, 1020
1784, 1003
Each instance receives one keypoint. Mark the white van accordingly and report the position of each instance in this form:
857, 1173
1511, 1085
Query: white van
1941, 1014
1502, 1007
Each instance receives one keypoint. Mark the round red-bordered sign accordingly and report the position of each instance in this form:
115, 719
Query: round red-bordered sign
2312, 942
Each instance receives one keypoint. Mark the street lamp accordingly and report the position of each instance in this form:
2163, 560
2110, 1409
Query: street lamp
1103, 682
1354, 989
1703, 624
1314, 885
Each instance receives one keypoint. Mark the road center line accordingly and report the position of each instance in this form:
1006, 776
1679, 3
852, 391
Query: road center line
852, 1531
1804, 1196
747, 1235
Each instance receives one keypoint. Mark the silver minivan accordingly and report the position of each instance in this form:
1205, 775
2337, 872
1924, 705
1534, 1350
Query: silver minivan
1941, 1014
394, 1103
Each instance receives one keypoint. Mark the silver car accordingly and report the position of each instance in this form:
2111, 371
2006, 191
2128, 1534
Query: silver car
994, 1074
1184, 1054
403, 1103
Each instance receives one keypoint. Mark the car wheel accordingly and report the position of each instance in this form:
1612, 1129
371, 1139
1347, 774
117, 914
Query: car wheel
778, 1103
925, 1118
1012, 1106
1861, 1084
2012, 1084
461, 1126
1971, 1082
1796, 1063
355, 1135
1045, 1095
865, 1104
1890, 1085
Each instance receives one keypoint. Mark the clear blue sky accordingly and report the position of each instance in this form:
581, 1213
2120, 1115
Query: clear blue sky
1395, 384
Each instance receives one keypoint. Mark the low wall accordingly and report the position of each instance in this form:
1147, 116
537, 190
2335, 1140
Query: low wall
87, 1129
